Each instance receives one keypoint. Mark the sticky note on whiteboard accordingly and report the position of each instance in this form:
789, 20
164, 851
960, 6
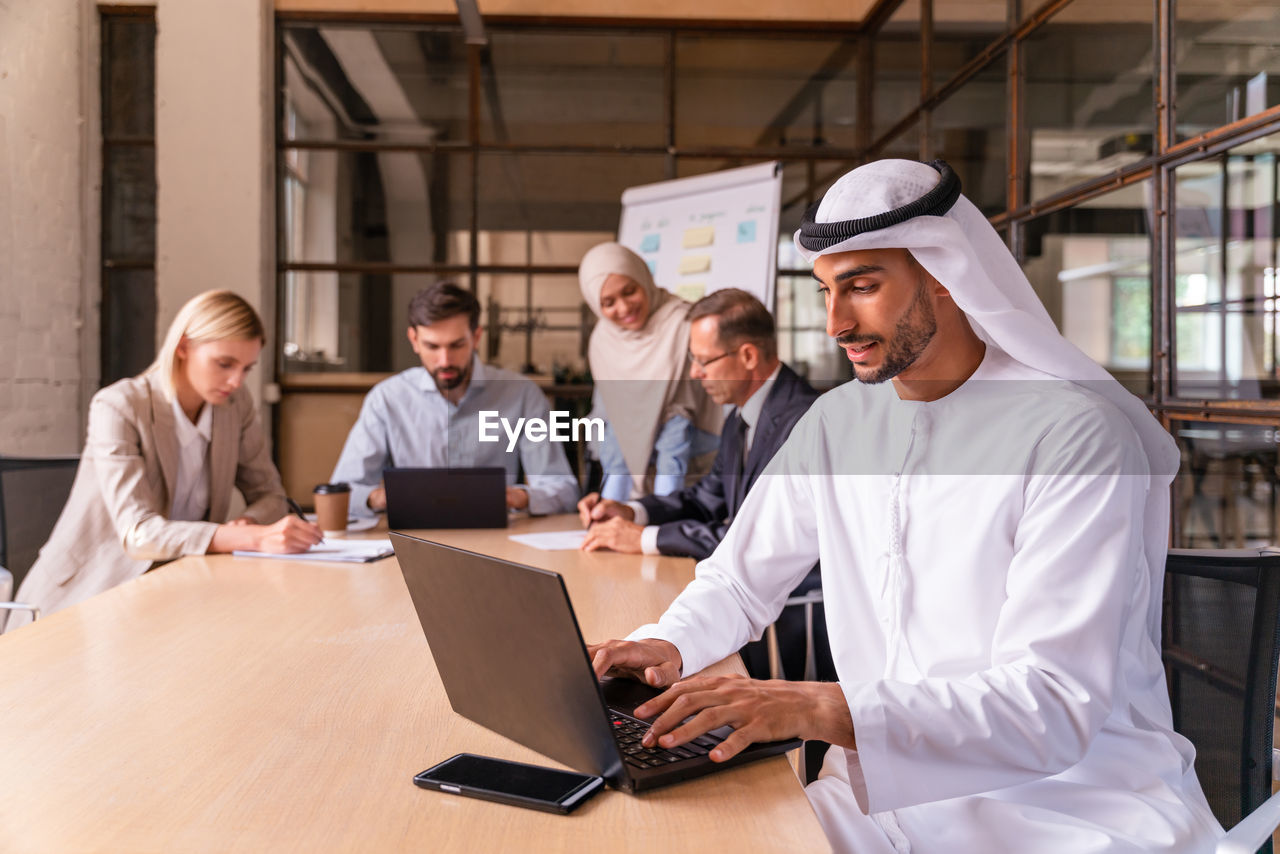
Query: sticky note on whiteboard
747, 231
701, 236
691, 264
650, 242
691, 291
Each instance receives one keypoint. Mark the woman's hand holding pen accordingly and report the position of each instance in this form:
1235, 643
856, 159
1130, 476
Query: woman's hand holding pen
288, 536
291, 534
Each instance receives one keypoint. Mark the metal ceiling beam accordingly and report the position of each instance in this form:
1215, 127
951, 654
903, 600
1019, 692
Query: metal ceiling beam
472, 23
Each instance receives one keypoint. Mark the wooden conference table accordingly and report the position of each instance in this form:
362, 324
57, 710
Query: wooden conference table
229, 704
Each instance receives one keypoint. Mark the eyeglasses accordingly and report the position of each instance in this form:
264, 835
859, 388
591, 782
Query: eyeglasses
709, 362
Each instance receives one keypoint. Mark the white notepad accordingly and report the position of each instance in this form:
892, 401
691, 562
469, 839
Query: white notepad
551, 540
346, 551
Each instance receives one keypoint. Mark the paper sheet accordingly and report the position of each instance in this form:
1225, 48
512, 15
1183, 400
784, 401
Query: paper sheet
550, 541
333, 549
691, 291
690, 264
700, 236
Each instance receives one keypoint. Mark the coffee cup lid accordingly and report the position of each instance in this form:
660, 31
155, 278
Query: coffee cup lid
327, 488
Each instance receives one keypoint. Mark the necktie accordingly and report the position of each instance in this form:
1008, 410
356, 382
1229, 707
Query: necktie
738, 482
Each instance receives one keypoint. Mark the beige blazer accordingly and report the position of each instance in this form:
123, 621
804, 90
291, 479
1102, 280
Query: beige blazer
114, 526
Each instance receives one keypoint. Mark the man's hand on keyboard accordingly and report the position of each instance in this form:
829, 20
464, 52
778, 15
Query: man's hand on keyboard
758, 710
654, 662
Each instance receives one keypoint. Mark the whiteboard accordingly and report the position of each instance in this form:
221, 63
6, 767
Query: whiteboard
708, 232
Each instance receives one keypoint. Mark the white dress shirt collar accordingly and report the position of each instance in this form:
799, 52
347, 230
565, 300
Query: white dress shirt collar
191, 491
189, 432
751, 410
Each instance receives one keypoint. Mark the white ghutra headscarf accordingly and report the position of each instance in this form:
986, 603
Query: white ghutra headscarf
903, 204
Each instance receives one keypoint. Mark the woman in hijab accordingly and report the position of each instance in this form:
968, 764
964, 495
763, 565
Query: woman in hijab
657, 420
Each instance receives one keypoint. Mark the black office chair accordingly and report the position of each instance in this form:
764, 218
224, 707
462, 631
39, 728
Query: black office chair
32, 493
6, 607
1221, 651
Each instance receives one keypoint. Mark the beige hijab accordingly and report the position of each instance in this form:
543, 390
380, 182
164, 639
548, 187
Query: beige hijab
642, 375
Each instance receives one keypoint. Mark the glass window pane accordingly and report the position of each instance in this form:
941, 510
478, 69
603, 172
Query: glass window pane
400, 207
968, 131
349, 321
579, 88
403, 84
799, 311
740, 91
1226, 490
559, 192
1228, 54
1089, 92
961, 31
128, 202
906, 145
687, 167
1225, 275
1091, 267
128, 322
128, 76
803, 343
535, 324
896, 68
559, 247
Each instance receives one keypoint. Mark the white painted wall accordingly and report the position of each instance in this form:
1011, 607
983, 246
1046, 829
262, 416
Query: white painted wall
48, 180
215, 203
215, 224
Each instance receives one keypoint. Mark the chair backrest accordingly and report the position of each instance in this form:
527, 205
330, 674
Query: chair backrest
32, 493
1221, 650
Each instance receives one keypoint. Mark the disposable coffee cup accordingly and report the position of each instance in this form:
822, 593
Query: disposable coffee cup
332, 502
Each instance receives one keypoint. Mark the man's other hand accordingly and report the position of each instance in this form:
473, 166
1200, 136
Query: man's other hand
616, 534
593, 508
654, 662
517, 498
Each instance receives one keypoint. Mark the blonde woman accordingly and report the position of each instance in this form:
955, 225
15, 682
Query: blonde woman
163, 451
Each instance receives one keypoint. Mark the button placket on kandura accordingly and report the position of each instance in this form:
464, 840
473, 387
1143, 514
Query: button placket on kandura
900, 660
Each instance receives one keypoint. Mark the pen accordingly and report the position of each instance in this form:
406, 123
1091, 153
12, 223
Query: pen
293, 505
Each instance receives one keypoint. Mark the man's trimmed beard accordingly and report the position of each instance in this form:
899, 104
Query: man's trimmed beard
461, 377
914, 331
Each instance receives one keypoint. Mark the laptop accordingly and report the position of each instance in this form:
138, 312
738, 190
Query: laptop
446, 497
507, 645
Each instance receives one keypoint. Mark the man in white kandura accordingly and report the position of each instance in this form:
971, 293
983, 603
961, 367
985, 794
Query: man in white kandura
992, 528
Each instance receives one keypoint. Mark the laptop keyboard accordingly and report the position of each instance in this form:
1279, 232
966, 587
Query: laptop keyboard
628, 732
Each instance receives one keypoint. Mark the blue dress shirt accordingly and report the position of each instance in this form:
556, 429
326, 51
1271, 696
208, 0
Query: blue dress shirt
406, 422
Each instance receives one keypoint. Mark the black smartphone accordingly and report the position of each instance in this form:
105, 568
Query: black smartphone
515, 783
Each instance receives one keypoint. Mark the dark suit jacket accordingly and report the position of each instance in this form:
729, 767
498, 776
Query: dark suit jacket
693, 521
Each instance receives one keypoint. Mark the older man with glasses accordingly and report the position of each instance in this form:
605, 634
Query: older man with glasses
733, 352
